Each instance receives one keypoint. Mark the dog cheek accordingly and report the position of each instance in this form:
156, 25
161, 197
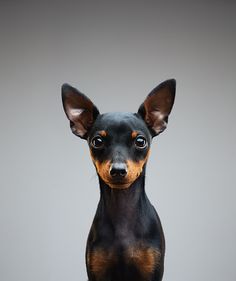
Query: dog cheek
102, 169
135, 168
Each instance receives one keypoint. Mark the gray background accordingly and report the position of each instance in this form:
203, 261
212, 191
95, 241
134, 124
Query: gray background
116, 52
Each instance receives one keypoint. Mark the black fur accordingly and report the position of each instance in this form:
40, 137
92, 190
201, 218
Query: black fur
126, 240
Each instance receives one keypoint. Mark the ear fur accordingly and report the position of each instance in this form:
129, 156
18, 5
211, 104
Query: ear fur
157, 106
79, 109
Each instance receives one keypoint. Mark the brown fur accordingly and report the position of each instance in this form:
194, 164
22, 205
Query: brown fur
99, 261
146, 259
134, 134
103, 133
134, 171
102, 168
135, 168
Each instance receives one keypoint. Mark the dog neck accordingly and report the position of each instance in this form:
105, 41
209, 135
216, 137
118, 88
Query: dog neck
123, 205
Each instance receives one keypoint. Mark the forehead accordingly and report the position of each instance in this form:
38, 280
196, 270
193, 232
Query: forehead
120, 123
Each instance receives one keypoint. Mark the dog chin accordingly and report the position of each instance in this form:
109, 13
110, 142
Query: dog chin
119, 185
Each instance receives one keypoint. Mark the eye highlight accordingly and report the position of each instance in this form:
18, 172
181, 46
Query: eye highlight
140, 142
97, 142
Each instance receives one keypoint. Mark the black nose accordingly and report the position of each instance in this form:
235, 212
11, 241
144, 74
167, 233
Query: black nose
118, 170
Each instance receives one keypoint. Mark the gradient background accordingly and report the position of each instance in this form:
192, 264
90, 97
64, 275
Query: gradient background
116, 52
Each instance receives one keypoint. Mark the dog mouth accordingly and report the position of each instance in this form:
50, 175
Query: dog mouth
118, 184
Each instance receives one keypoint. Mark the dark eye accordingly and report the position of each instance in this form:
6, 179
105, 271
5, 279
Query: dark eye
140, 142
97, 142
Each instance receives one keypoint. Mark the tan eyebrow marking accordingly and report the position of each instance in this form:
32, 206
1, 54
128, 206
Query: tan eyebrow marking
103, 133
134, 134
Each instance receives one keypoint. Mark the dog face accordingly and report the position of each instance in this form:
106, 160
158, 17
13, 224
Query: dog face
119, 143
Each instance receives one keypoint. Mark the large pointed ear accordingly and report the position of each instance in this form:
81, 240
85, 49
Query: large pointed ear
157, 106
79, 110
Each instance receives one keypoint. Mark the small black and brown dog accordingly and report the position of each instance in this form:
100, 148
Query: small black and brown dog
126, 240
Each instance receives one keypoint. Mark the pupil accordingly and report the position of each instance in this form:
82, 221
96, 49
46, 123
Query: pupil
141, 142
97, 141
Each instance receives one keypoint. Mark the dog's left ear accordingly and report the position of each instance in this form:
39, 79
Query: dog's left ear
157, 106
79, 110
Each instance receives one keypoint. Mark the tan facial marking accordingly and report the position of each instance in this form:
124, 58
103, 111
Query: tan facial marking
99, 261
146, 259
134, 134
103, 169
103, 133
134, 169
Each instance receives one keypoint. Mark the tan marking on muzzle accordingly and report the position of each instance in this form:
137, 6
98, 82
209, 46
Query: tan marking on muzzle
134, 169
103, 169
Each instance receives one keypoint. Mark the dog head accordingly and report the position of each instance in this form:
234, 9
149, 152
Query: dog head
119, 142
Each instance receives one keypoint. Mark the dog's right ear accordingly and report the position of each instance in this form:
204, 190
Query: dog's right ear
79, 110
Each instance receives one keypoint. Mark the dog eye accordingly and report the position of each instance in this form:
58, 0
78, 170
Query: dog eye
97, 142
140, 142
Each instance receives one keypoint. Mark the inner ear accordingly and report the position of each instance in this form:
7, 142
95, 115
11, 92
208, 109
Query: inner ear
79, 110
157, 106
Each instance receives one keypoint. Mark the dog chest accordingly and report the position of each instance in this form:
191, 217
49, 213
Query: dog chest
140, 259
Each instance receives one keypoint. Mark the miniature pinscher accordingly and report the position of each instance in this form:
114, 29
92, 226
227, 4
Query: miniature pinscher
126, 240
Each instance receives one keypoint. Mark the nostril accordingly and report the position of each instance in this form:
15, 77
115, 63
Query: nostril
113, 172
118, 170
122, 172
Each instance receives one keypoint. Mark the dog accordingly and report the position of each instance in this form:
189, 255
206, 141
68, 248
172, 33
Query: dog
126, 240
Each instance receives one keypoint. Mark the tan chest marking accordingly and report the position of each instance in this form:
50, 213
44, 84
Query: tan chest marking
99, 261
146, 259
